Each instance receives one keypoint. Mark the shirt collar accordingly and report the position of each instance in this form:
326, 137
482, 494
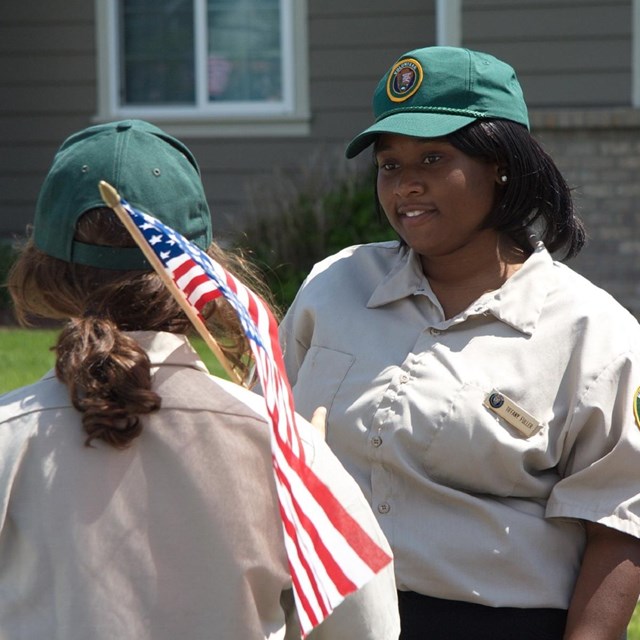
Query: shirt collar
517, 303
163, 349
168, 349
405, 278
520, 300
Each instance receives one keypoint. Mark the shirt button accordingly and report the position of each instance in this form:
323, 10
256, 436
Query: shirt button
384, 507
434, 332
404, 378
376, 441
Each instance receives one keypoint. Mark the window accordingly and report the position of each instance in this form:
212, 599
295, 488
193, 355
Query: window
221, 67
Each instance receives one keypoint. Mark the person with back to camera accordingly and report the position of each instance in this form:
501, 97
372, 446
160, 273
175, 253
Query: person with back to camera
483, 395
137, 498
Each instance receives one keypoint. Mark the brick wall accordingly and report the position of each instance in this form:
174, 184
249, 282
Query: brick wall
598, 152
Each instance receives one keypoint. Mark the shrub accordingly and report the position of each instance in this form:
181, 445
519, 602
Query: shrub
299, 218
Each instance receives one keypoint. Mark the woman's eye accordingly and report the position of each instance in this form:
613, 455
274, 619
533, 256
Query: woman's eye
431, 158
387, 166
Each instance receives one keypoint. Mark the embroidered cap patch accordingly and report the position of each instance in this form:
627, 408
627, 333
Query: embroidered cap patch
404, 79
636, 406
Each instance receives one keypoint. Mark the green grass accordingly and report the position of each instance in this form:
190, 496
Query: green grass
633, 630
25, 355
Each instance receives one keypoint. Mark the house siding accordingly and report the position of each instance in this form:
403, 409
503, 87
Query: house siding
567, 52
47, 90
599, 155
573, 58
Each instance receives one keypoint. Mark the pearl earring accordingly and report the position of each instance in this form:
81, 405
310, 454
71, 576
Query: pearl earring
503, 179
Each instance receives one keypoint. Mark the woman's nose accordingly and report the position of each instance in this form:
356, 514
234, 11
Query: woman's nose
409, 182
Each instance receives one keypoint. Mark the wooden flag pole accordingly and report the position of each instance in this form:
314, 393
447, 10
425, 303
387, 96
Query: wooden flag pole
112, 199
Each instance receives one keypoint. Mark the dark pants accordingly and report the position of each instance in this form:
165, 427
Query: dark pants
426, 618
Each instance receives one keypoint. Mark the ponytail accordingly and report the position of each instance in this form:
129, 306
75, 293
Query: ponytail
109, 379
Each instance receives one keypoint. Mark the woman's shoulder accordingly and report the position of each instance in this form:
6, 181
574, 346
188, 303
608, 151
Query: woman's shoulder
592, 317
253, 402
374, 253
588, 299
356, 268
44, 394
188, 389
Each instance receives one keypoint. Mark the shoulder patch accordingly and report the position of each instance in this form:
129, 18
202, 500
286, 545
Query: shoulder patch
636, 406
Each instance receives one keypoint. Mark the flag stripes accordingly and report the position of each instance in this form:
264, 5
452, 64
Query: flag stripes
330, 555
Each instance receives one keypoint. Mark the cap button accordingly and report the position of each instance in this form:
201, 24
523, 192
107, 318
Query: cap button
123, 126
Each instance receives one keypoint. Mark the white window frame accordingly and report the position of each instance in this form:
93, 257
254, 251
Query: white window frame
290, 117
449, 23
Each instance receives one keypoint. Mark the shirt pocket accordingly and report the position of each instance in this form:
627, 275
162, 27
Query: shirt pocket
319, 378
476, 451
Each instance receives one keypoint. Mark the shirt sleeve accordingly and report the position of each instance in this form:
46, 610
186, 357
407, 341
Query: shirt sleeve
602, 452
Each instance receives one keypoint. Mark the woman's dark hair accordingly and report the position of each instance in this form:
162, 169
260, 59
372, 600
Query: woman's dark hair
535, 196
106, 371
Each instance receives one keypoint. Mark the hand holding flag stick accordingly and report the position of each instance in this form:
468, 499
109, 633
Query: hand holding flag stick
330, 554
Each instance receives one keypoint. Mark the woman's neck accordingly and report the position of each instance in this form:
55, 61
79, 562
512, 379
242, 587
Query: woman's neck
461, 278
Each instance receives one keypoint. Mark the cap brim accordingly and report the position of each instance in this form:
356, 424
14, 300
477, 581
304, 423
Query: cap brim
414, 123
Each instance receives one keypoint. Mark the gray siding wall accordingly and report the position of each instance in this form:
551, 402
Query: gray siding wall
47, 89
599, 155
568, 53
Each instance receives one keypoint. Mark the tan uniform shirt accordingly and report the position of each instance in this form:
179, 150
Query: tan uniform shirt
474, 510
177, 537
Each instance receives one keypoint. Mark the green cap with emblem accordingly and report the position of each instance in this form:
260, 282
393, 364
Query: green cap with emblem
153, 171
434, 91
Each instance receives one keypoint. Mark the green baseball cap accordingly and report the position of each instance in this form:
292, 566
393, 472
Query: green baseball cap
150, 169
434, 91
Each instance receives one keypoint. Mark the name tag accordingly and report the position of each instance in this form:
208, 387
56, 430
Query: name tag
509, 411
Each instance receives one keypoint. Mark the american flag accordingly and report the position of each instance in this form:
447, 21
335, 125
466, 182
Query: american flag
330, 555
